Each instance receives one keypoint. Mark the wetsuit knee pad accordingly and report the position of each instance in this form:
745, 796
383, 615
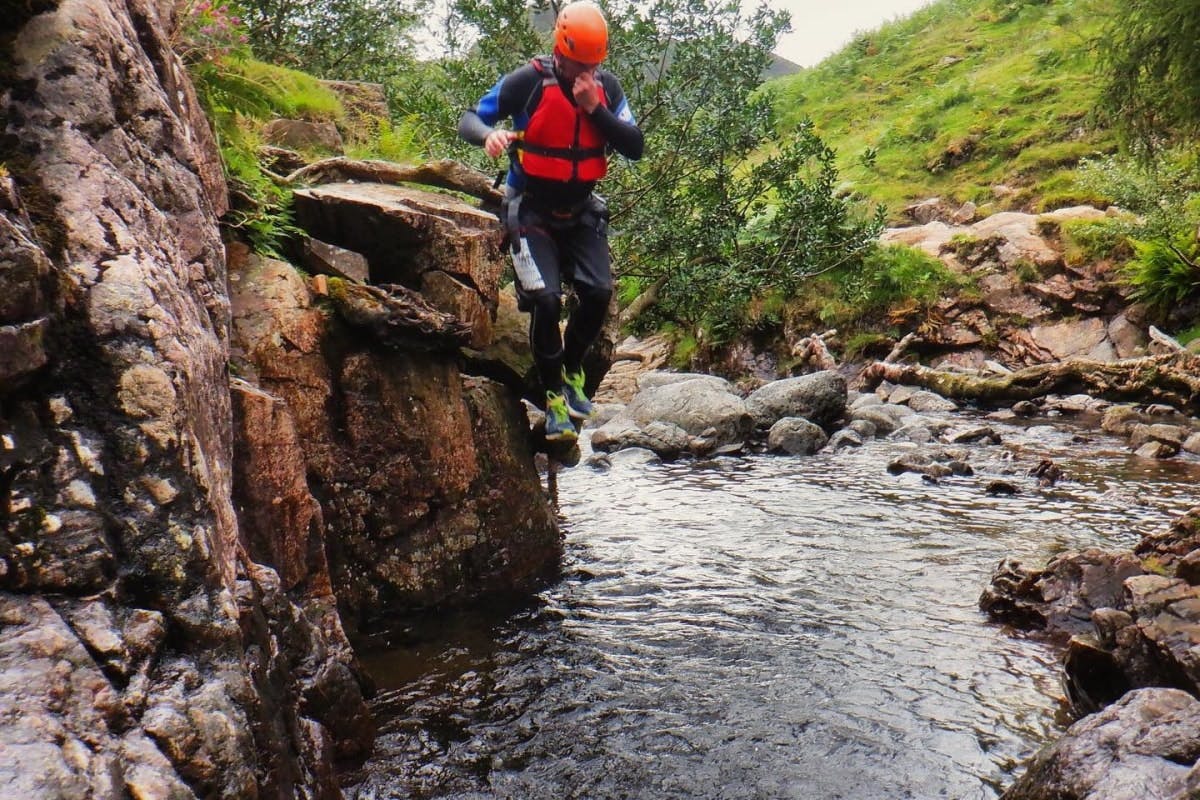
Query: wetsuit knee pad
592, 296
545, 312
545, 304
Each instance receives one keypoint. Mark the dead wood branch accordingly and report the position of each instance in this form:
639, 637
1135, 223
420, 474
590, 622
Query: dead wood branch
900, 349
446, 173
1173, 379
811, 351
397, 316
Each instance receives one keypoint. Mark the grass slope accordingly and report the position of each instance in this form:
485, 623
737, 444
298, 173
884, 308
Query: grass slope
961, 97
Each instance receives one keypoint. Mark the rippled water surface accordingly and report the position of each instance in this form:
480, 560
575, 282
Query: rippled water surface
762, 627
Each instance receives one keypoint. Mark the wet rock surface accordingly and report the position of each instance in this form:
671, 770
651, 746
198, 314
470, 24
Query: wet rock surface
1140, 748
1132, 627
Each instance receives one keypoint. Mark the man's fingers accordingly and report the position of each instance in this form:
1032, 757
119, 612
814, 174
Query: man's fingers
496, 142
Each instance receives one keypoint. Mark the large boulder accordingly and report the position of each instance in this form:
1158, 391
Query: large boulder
431, 243
656, 378
796, 436
884, 418
664, 439
426, 480
1086, 338
710, 417
1143, 747
819, 398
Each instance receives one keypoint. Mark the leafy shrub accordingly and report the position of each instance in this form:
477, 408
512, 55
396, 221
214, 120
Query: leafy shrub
867, 345
1163, 274
1188, 335
208, 30
957, 96
1087, 241
291, 93
891, 275
1165, 192
399, 142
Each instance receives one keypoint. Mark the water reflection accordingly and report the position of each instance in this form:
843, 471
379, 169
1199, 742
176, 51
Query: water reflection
762, 628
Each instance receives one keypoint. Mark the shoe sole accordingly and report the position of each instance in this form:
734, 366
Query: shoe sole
565, 436
573, 414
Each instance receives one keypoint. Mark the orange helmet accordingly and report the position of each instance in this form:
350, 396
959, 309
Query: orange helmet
581, 33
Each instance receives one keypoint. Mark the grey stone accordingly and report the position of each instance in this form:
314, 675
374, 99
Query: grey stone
973, 433
796, 436
22, 350
667, 440
1172, 435
1109, 622
913, 430
926, 211
865, 400
1119, 420
1087, 338
965, 214
863, 427
1129, 340
925, 402
819, 397
634, 456
1156, 450
1004, 294
843, 439
656, 378
603, 412
694, 406
327, 259
304, 135
886, 418
1060, 597
918, 462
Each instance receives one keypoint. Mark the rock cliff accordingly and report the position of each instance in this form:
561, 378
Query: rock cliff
174, 542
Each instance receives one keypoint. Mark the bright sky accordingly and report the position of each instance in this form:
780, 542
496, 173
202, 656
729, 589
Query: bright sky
822, 27
819, 27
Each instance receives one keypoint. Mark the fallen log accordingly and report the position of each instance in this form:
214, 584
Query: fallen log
446, 173
1172, 378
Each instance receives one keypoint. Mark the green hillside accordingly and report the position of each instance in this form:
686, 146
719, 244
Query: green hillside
963, 96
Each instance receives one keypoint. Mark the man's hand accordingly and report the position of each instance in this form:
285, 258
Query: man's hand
587, 92
497, 142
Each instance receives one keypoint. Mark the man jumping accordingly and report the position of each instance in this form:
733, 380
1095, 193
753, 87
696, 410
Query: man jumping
567, 116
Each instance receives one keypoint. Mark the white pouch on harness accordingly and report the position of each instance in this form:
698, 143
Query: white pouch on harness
528, 274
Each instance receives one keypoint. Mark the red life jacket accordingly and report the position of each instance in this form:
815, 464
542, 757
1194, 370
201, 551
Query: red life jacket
561, 143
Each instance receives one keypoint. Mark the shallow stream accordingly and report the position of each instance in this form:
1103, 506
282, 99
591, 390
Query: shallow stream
763, 627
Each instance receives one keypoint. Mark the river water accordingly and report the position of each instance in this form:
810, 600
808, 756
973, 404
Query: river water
763, 627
